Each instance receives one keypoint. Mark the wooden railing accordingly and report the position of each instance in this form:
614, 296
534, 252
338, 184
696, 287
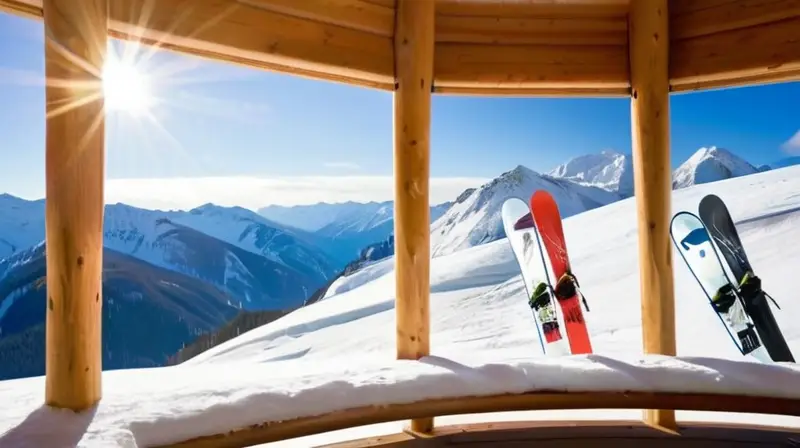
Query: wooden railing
421, 410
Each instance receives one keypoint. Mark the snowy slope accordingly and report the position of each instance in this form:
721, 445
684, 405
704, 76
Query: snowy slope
482, 337
709, 165
608, 170
475, 218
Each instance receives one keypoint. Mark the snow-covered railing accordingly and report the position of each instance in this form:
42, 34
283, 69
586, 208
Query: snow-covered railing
272, 431
332, 399
235, 406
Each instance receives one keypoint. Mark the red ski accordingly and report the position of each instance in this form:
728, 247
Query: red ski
548, 221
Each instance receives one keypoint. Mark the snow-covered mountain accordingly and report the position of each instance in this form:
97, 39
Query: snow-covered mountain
613, 171
260, 263
316, 216
710, 165
21, 224
345, 228
608, 170
475, 218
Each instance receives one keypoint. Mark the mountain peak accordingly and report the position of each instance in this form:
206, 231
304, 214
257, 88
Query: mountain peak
710, 164
609, 170
475, 217
712, 151
520, 171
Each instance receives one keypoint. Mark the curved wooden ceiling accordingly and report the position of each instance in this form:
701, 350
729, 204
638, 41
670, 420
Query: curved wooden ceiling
493, 47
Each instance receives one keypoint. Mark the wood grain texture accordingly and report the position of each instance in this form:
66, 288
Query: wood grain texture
704, 17
354, 14
413, 47
551, 67
649, 56
484, 47
75, 46
754, 54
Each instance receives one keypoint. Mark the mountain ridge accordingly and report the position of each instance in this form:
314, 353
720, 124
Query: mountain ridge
346, 227
244, 246
613, 171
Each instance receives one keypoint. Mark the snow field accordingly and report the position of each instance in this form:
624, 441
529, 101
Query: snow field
339, 353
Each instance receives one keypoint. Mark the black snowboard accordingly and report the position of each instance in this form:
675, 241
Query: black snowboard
717, 219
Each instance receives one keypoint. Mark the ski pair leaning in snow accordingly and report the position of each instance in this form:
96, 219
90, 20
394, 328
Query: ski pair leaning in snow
739, 301
535, 229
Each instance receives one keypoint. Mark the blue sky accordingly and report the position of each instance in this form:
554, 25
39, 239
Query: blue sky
278, 133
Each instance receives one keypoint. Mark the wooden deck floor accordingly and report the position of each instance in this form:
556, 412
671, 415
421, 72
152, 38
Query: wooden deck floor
580, 434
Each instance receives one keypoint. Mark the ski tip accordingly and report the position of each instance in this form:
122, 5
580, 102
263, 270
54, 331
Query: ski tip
711, 198
543, 198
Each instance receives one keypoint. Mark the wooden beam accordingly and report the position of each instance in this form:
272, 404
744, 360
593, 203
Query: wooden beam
413, 54
556, 92
21, 8
649, 57
75, 47
525, 30
725, 58
704, 17
534, 401
249, 35
354, 14
531, 66
742, 81
520, 9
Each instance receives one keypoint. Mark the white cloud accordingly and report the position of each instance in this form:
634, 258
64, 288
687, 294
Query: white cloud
255, 192
792, 146
343, 165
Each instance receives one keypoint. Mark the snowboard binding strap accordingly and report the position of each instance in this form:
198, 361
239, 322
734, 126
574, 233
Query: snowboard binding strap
724, 299
750, 286
540, 297
568, 286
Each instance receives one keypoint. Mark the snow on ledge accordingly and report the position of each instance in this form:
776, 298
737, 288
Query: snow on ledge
143, 407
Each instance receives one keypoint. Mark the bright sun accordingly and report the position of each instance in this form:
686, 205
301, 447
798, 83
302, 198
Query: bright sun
125, 87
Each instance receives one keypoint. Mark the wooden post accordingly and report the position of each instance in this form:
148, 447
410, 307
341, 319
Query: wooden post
75, 48
413, 48
649, 57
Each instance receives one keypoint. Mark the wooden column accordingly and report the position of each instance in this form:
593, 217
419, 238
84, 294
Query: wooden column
413, 47
75, 47
649, 56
